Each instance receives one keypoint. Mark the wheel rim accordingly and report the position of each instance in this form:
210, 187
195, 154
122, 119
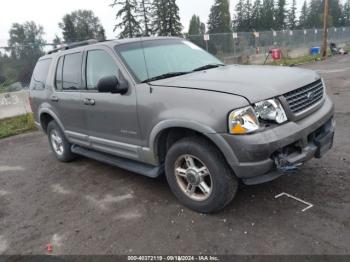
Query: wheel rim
57, 143
193, 177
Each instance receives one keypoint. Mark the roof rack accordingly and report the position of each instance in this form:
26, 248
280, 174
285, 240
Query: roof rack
73, 45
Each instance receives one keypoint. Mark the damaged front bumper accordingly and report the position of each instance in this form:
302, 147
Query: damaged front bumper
267, 155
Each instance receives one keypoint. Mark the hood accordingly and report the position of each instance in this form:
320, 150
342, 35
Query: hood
255, 83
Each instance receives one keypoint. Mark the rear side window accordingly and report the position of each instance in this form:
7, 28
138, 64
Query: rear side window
40, 73
68, 72
99, 64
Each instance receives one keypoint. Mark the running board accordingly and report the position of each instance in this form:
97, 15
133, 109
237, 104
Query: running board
127, 164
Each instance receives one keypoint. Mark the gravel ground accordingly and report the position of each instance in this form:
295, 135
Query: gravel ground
86, 207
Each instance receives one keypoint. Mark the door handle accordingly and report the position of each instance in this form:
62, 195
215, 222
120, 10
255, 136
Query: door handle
54, 98
89, 101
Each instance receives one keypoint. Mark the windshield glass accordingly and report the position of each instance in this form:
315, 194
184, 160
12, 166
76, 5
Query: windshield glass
149, 59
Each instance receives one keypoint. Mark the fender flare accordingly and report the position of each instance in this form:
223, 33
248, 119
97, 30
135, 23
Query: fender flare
53, 115
208, 132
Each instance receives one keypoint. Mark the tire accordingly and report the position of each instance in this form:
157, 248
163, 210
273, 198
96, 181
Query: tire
221, 183
59, 143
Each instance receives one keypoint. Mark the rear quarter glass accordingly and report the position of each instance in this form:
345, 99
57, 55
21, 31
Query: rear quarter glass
40, 74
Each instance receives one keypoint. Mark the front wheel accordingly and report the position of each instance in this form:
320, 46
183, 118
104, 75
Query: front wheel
199, 176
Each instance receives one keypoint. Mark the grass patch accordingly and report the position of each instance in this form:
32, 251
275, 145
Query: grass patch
16, 125
296, 61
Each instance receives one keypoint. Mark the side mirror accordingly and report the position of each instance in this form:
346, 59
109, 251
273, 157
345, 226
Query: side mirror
111, 84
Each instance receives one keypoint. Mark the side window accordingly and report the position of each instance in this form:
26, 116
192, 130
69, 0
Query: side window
59, 75
72, 72
40, 73
98, 65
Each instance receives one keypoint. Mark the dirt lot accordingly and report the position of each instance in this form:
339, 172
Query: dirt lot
90, 208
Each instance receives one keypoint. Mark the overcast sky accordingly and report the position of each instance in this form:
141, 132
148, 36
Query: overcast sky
49, 13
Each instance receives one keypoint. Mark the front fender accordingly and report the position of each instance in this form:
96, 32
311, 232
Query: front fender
208, 132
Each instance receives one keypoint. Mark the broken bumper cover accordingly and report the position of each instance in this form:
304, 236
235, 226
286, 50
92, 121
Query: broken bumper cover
265, 156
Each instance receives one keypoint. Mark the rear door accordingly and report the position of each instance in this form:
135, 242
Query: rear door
66, 100
111, 118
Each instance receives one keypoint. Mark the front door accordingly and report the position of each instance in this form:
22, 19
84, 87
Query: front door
111, 118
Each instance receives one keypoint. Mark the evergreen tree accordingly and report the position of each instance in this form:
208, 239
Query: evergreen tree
81, 25
267, 14
166, 18
335, 14
238, 21
280, 15
129, 25
144, 11
174, 27
292, 19
203, 28
304, 14
314, 18
346, 13
196, 26
247, 12
256, 16
220, 18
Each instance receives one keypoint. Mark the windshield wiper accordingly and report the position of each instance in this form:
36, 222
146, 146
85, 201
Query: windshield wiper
164, 76
209, 66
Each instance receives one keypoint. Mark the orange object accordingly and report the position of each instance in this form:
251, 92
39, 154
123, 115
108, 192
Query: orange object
276, 54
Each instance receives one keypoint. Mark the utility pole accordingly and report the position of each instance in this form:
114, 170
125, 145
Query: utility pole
325, 30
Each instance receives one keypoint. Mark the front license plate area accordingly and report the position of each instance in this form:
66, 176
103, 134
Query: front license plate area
324, 144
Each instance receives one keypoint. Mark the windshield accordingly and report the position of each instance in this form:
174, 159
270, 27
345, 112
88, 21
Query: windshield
150, 59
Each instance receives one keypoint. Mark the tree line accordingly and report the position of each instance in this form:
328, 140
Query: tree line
26, 43
262, 15
136, 18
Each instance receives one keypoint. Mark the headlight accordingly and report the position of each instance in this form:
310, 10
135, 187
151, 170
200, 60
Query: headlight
271, 110
243, 121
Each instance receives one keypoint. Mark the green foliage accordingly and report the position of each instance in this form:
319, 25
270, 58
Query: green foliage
144, 12
220, 22
220, 18
81, 25
280, 15
16, 125
25, 47
166, 18
129, 23
57, 41
196, 26
263, 16
257, 16
304, 14
346, 13
335, 13
315, 11
267, 14
292, 16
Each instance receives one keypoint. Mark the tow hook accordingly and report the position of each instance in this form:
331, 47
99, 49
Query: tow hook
283, 165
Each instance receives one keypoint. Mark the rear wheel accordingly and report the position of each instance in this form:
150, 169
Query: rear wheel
59, 143
199, 176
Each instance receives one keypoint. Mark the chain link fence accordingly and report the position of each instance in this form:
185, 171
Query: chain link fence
238, 47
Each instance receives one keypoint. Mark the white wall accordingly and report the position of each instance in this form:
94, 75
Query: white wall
14, 104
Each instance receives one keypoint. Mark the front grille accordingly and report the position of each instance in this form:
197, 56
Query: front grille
305, 97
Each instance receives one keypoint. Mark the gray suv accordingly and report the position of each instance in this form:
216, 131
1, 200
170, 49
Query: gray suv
164, 105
